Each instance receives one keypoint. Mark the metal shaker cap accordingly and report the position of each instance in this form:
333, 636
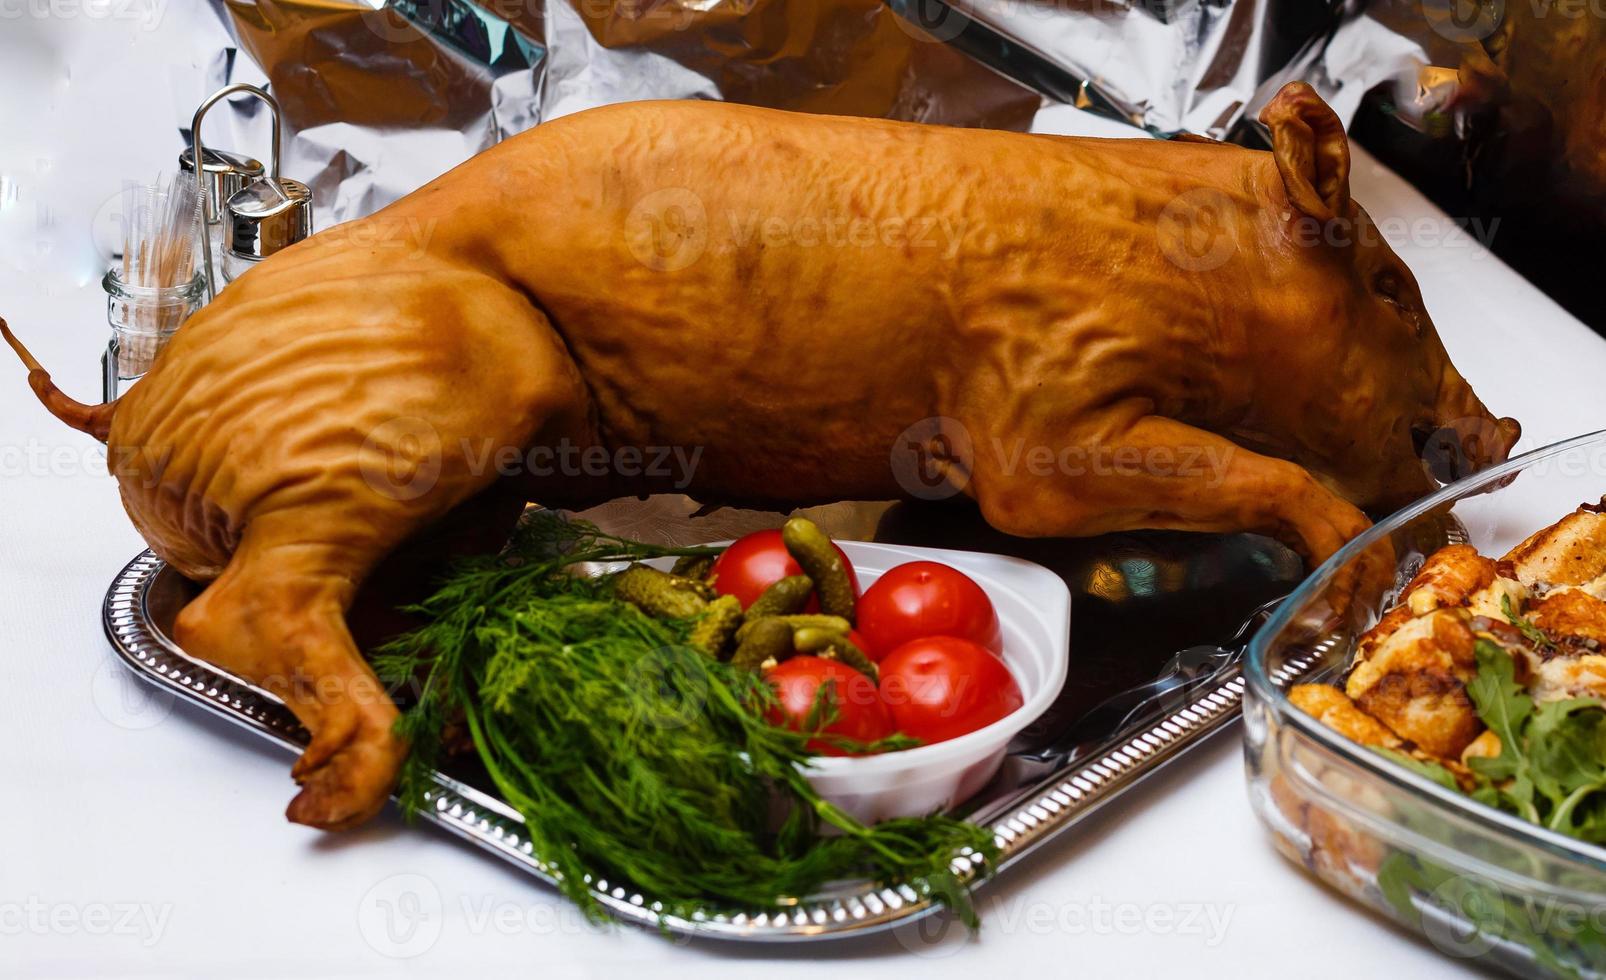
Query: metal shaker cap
262, 218
226, 175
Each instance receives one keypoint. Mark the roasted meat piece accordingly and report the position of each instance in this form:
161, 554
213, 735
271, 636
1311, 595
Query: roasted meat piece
1570, 552
1571, 618
1572, 665
1333, 708
1458, 576
1544, 604
1414, 681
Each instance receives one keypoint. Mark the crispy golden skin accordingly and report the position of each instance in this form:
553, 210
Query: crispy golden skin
1408, 678
1485, 746
1567, 560
1454, 577
790, 296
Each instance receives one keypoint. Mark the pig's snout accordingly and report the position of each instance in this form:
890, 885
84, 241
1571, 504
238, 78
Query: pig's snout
1455, 450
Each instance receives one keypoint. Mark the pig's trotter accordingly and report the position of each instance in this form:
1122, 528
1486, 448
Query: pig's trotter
276, 618
347, 772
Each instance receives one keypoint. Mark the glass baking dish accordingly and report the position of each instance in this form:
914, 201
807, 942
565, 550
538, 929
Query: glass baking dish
1478, 884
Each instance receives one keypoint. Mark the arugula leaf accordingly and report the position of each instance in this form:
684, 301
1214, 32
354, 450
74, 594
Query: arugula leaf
1397, 878
1568, 743
1431, 770
1503, 705
1412, 884
1535, 635
1565, 740
1552, 761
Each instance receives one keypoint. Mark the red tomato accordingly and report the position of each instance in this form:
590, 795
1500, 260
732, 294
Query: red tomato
942, 687
757, 561
860, 715
926, 598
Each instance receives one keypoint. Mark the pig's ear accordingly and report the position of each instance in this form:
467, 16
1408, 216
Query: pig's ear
1312, 152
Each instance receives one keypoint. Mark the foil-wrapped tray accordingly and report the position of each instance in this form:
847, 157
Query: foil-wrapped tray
1160, 621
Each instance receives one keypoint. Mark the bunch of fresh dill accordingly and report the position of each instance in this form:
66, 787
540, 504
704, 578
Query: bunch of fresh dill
631, 756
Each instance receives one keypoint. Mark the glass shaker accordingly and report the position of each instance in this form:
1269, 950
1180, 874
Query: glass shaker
143, 319
223, 174
261, 219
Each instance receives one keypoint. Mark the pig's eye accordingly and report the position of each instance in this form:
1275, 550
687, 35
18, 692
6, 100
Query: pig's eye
1390, 288
1387, 285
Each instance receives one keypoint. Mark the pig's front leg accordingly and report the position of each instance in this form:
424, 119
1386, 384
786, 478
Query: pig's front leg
1158, 473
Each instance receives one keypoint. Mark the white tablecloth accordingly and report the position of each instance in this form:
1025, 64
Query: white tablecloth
139, 837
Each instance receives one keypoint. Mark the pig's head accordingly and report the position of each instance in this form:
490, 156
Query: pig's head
1352, 380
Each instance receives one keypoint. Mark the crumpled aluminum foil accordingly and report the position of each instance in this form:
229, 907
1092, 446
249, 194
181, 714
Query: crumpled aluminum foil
1199, 66
379, 101
382, 95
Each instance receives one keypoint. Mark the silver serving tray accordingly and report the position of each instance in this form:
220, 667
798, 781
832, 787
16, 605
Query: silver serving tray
1042, 792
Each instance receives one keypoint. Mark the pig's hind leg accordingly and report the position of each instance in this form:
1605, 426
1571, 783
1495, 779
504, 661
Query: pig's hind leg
277, 616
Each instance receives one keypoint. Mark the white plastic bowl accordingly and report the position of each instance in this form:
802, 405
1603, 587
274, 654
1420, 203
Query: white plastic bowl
1034, 608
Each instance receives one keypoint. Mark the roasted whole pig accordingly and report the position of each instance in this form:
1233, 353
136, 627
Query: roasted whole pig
1082, 335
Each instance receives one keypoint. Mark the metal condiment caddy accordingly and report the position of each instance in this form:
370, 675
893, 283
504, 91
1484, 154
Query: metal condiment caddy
260, 214
242, 213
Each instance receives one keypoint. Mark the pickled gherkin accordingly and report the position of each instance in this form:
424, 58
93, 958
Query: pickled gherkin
821, 561
789, 595
657, 593
696, 586
768, 641
835, 624
830, 644
717, 627
693, 567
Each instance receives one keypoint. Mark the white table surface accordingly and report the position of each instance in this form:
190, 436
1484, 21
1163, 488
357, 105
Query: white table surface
139, 837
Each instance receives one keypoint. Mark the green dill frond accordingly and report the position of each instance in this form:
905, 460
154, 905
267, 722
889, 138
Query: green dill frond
630, 755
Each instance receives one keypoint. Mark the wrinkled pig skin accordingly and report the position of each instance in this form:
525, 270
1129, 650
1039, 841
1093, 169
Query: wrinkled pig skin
663, 274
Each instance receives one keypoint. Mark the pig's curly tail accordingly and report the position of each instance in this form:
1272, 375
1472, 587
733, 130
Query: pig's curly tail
93, 419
